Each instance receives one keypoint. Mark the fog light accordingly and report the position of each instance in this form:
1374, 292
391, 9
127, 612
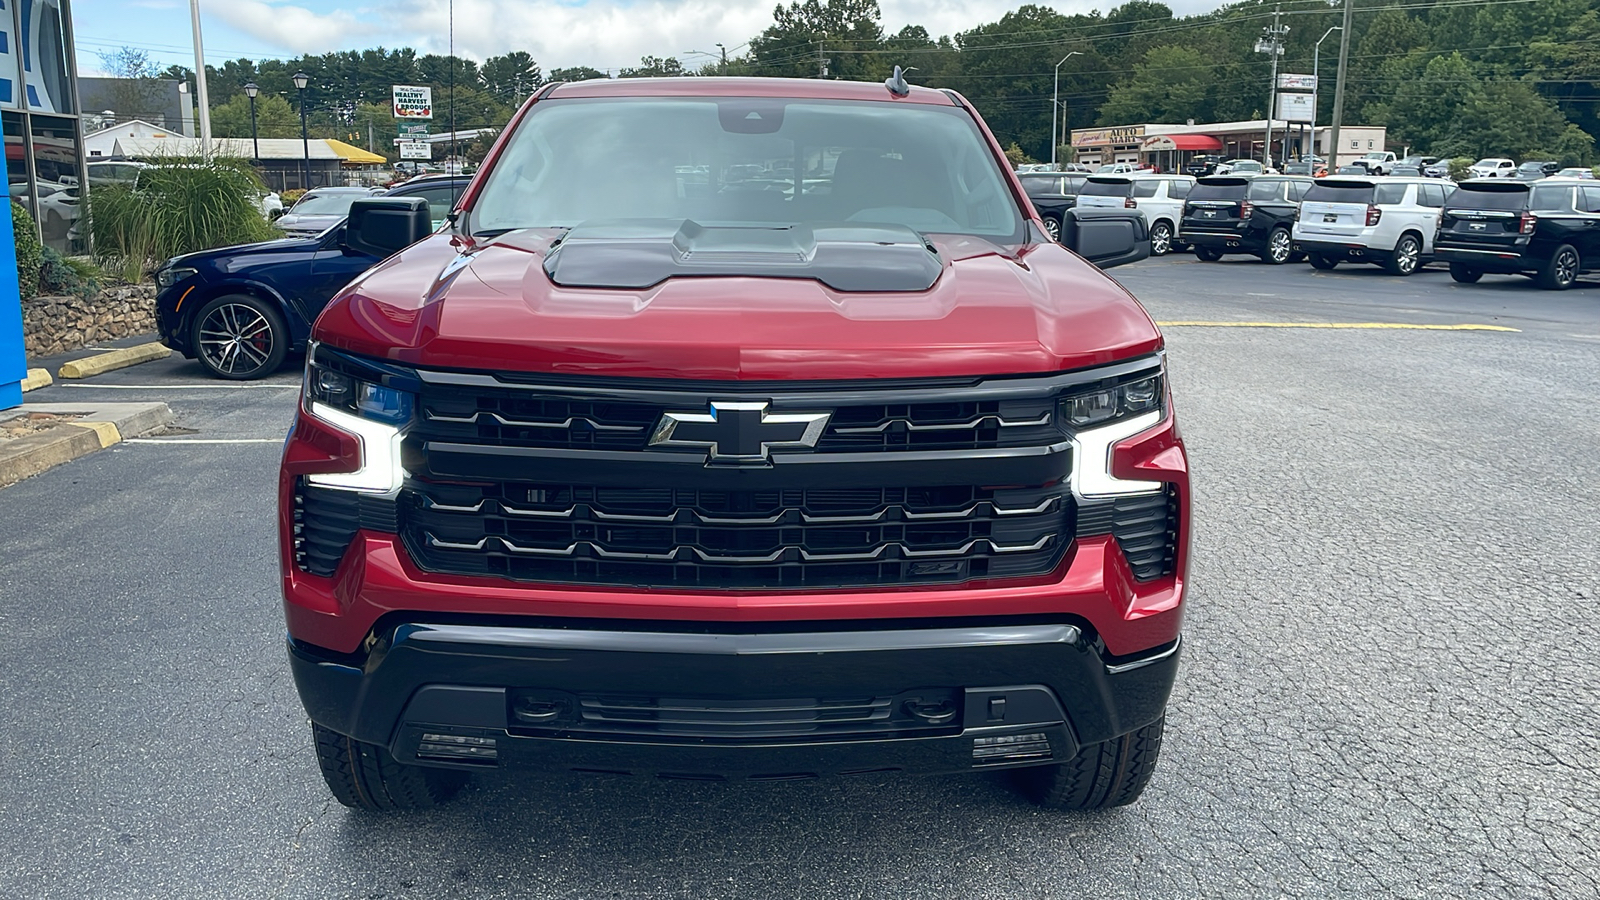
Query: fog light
1010, 748
458, 748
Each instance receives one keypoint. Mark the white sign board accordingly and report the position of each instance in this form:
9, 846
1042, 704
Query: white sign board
416, 150
413, 102
1296, 107
1297, 82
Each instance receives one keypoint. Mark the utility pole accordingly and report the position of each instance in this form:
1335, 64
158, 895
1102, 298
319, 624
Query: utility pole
200, 81
1272, 43
822, 64
724, 60
1338, 91
1055, 110
1316, 91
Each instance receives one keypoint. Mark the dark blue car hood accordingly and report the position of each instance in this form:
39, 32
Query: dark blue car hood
219, 256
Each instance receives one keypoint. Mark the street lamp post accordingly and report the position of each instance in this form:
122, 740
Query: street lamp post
1055, 109
251, 90
300, 81
1316, 89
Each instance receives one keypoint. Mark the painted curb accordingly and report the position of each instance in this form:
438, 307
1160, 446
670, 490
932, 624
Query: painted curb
103, 424
115, 359
37, 378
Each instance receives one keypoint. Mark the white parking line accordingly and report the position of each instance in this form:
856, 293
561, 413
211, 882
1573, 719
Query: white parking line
276, 440
188, 387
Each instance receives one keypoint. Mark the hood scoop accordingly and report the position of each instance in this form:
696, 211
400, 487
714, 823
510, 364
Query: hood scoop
641, 253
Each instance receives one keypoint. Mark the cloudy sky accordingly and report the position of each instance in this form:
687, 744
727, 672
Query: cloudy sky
606, 34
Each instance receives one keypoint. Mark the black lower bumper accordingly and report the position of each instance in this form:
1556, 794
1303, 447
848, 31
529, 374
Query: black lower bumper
717, 705
1512, 262
1227, 242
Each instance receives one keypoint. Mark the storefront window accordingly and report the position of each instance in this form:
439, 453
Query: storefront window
10, 94
45, 64
57, 183
17, 161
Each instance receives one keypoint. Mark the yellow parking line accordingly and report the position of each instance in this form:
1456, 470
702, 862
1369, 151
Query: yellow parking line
1400, 326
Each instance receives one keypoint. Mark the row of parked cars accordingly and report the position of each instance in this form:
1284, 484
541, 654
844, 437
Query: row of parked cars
1548, 229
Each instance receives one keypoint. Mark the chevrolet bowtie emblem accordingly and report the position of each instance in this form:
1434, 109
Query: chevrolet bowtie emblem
735, 433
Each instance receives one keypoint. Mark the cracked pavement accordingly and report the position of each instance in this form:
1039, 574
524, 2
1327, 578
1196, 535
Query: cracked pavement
1389, 686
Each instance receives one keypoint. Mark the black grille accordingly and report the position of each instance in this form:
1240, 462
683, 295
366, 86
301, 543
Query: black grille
793, 538
510, 417
1146, 528
326, 521
933, 710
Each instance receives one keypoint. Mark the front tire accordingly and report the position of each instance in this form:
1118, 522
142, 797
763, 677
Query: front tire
1207, 254
1560, 270
1101, 776
1465, 274
1279, 247
1321, 261
1052, 227
1406, 256
1160, 239
365, 776
239, 337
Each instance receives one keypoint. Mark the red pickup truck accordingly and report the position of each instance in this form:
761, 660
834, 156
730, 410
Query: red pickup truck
732, 429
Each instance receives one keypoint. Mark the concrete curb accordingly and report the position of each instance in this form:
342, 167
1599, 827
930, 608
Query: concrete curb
37, 378
115, 359
102, 425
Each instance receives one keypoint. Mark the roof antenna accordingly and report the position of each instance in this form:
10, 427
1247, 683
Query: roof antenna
896, 83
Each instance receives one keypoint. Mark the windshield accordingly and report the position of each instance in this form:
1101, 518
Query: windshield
325, 204
1208, 189
1247, 165
1531, 167
1375, 155
1488, 163
1119, 187
748, 161
1340, 192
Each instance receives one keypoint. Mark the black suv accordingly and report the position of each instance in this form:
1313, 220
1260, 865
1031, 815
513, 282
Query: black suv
1200, 166
1549, 230
1244, 214
1053, 193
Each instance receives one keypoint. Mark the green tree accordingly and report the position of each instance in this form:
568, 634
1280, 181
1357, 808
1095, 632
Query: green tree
807, 37
654, 67
511, 77
136, 92
275, 118
576, 73
1171, 84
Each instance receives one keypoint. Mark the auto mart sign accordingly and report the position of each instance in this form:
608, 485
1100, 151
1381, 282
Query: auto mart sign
1096, 137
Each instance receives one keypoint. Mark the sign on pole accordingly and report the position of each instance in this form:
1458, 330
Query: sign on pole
416, 150
1296, 107
413, 102
1297, 82
412, 129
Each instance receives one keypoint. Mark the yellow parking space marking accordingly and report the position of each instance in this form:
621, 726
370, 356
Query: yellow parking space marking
1396, 326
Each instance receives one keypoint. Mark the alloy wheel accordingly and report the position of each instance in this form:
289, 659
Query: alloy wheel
1160, 239
1279, 246
1052, 228
235, 339
1566, 267
1406, 256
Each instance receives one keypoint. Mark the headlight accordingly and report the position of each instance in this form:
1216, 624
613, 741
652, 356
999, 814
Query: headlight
1095, 408
1099, 420
374, 412
170, 276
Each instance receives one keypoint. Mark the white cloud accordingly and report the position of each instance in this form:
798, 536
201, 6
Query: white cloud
294, 28
605, 34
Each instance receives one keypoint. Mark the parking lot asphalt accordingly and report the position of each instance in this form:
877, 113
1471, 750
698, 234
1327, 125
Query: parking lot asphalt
1389, 689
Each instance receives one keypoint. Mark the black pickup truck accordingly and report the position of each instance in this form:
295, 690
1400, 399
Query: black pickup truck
1548, 230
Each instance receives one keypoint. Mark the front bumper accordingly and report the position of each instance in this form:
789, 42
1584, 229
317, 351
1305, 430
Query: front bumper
718, 704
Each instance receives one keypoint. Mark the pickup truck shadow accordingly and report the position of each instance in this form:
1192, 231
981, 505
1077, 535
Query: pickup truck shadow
606, 835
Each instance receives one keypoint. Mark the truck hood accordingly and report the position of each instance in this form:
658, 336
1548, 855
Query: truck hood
447, 302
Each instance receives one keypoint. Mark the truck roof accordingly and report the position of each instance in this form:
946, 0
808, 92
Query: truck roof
791, 88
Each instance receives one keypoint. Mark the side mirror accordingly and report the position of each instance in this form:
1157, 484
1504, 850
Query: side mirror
1106, 237
383, 226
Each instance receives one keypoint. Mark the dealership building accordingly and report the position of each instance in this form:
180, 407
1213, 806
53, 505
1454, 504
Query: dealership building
38, 107
1169, 147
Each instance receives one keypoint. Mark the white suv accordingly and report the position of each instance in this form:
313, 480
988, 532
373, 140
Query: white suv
1158, 198
1388, 221
1494, 167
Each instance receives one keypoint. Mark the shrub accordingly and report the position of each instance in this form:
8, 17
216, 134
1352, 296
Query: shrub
64, 275
290, 196
1458, 167
29, 252
178, 207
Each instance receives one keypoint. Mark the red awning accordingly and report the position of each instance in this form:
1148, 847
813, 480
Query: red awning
1181, 142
